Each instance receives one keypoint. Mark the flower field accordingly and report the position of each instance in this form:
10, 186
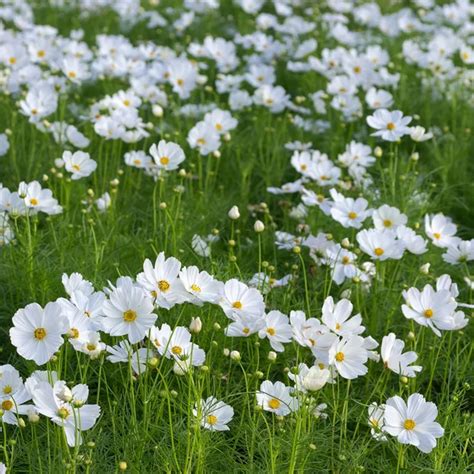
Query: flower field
236, 236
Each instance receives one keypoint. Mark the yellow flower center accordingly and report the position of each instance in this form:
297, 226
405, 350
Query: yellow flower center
378, 251
437, 235
71, 74
428, 313
346, 260
340, 356
63, 413
164, 160
163, 285
211, 419
409, 424
387, 223
129, 316
73, 333
246, 330
76, 167
352, 215
40, 334
176, 350
338, 326
271, 331
237, 305
195, 288
274, 404
91, 347
7, 389
41, 53
201, 141
180, 82
303, 167
7, 405
12, 60
390, 126
357, 69
219, 127
34, 202
126, 102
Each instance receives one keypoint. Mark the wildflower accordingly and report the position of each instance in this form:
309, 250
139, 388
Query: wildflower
161, 281
234, 213
386, 217
336, 316
380, 245
277, 329
349, 355
79, 164
390, 126
74, 416
430, 308
128, 312
240, 300
213, 415
37, 333
276, 398
418, 134
441, 230
200, 285
347, 211
413, 422
393, 359
167, 155
376, 421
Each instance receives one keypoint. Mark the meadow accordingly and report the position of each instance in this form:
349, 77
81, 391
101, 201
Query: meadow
236, 236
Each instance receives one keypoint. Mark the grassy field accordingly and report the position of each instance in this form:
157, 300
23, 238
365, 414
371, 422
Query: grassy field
146, 422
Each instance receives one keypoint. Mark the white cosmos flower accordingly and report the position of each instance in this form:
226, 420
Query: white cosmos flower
348, 356
390, 126
128, 312
379, 244
413, 422
387, 217
430, 308
277, 330
79, 164
200, 285
213, 414
167, 155
37, 333
161, 281
337, 317
342, 262
240, 300
441, 230
460, 252
412, 242
13, 395
73, 416
393, 359
123, 353
349, 212
277, 398
376, 422
419, 134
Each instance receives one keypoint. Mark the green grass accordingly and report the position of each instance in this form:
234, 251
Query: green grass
148, 422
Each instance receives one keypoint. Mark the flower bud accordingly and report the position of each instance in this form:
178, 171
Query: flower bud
259, 226
122, 465
235, 355
272, 356
425, 269
196, 325
234, 213
378, 152
157, 110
